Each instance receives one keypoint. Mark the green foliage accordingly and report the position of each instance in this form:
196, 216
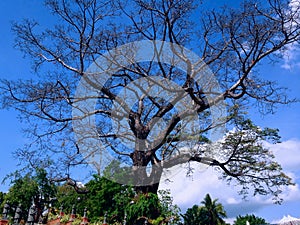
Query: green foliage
169, 211
115, 172
143, 205
192, 216
252, 219
2, 197
102, 198
115, 200
52, 216
47, 188
65, 218
77, 221
99, 200
28, 188
22, 191
210, 213
67, 197
157, 209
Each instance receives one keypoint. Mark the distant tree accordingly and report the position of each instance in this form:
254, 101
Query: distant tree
232, 42
252, 219
106, 197
101, 199
143, 207
29, 189
113, 200
170, 212
209, 213
22, 191
2, 194
67, 198
212, 212
193, 216
47, 189
2, 197
138, 207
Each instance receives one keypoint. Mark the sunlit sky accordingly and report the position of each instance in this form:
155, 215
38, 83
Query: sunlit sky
186, 191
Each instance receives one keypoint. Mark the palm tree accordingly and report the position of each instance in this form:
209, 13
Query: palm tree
192, 216
212, 212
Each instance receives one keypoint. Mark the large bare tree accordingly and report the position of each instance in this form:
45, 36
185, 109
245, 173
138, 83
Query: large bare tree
118, 83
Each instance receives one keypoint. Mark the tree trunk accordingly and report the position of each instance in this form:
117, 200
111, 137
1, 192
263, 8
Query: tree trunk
151, 188
145, 182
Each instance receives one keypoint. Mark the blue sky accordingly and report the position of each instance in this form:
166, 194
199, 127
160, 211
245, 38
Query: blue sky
186, 191
13, 66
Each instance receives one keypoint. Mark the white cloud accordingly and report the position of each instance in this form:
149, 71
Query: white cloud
80, 185
287, 154
188, 191
292, 193
291, 57
232, 201
292, 52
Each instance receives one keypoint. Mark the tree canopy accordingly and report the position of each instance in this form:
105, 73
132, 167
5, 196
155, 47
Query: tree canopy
105, 199
152, 84
27, 190
209, 213
252, 219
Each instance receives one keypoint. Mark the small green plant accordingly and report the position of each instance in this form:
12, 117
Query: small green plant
65, 218
158, 220
76, 221
52, 216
